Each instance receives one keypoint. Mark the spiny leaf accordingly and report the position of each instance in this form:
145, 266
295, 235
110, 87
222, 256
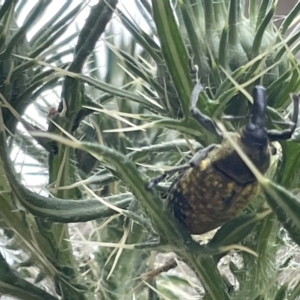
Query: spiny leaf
236, 230
286, 207
174, 51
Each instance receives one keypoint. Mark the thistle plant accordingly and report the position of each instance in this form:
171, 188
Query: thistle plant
112, 131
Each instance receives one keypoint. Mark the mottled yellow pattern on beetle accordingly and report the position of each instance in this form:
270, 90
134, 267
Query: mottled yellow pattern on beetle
204, 199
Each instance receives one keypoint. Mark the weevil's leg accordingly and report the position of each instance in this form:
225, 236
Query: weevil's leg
276, 135
204, 120
200, 155
155, 181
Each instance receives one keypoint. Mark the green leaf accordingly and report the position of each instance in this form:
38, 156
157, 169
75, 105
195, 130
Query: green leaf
262, 28
282, 292
236, 230
142, 38
288, 172
286, 207
174, 51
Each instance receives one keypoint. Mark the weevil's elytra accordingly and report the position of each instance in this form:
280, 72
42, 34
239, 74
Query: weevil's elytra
217, 185
207, 196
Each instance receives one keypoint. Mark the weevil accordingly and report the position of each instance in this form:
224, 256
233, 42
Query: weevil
216, 185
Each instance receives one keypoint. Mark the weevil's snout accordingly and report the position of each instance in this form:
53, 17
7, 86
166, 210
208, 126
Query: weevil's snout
255, 131
259, 106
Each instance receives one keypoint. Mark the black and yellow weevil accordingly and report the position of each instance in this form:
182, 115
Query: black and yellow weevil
216, 185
